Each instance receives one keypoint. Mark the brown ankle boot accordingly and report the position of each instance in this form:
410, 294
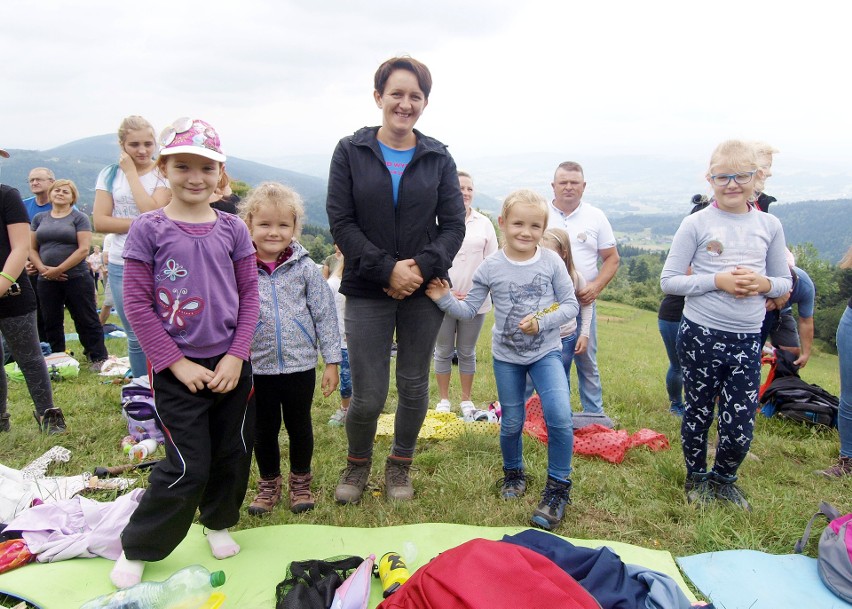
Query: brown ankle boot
268, 496
842, 468
301, 497
353, 481
397, 479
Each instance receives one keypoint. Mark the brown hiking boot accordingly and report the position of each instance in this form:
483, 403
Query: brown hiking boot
842, 468
397, 480
301, 497
268, 496
353, 481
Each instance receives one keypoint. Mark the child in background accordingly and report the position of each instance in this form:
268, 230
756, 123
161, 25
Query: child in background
297, 313
573, 341
123, 191
533, 296
338, 419
737, 255
190, 289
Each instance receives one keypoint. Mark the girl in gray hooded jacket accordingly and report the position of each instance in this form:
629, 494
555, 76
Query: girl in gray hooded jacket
298, 319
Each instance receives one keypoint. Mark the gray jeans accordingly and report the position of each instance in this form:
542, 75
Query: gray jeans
21, 334
459, 335
370, 326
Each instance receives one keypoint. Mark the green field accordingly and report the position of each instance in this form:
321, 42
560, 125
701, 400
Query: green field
639, 501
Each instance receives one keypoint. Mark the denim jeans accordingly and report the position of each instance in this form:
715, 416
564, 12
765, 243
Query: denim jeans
569, 343
548, 376
138, 363
674, 375
345, 375
370, 326
844, 351
591, 394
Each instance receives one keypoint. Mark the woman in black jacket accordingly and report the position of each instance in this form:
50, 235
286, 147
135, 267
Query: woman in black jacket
396, 212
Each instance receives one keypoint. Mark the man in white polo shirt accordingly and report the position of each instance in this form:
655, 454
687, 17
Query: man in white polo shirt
591, 238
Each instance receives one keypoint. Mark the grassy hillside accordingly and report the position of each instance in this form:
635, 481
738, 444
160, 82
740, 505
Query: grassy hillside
639, 501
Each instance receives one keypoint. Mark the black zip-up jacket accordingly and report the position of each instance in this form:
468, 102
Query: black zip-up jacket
426, 225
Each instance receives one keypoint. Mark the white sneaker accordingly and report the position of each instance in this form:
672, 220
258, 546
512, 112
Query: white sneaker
467, 408
338, 419
443, 406
485, 416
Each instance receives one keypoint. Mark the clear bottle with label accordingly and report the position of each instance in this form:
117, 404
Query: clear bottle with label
189, 588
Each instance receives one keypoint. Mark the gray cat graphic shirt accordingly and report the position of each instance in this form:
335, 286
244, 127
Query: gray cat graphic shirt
519, 289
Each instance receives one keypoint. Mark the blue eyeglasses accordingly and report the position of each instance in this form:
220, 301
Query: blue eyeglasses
723, 179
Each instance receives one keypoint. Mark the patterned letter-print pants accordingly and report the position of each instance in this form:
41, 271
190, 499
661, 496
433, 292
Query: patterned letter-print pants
723, 365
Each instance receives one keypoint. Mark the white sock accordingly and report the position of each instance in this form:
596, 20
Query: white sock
222, 544
126, 572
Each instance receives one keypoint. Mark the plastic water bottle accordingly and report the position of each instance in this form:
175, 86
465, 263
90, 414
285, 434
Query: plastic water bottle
392, 572
143, 448
189, 588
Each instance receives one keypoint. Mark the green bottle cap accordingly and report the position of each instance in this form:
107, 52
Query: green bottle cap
217, 578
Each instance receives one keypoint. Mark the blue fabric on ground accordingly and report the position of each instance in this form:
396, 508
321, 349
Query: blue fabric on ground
600, 571
747, 579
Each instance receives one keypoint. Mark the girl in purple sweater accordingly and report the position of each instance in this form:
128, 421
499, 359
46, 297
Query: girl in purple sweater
190, 290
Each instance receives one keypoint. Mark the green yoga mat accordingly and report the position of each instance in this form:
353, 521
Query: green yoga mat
267, 551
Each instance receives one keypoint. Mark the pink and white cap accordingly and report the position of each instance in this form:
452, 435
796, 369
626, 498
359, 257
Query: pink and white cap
191, 136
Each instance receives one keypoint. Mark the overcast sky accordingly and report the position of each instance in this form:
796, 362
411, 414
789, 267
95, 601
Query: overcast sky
288, 78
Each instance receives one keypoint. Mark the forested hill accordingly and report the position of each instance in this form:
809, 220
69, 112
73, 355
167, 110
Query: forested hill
825, 224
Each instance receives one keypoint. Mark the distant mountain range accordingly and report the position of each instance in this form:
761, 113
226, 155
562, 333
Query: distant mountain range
825, 224
621, 185
82, 160
647, 191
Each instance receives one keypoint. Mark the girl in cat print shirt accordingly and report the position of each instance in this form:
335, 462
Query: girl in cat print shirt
533, 296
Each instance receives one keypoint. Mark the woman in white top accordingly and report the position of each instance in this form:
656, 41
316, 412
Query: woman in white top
480, 241
123, 192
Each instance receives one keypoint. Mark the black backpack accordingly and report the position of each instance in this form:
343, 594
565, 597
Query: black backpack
310, 584
792, 398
